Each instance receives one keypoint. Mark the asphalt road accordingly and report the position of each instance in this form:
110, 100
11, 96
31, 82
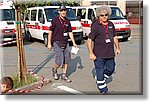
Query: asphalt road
127, 78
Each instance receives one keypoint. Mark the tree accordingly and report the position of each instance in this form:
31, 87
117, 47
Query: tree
22, 71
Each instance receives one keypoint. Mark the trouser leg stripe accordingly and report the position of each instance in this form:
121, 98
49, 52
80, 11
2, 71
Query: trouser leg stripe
101, 82
102, 86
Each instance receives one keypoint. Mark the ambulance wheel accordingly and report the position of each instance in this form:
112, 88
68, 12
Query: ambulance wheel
125, 39
45, 36
79, 42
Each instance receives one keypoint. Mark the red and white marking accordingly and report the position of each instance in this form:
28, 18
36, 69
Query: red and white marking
35, 89
6, 43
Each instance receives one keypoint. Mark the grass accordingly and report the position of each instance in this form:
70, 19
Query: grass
17, 84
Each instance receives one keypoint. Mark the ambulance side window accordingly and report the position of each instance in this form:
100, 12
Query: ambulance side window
74, 11
81, 13
27, 15
41, 16
91, 15
33, 15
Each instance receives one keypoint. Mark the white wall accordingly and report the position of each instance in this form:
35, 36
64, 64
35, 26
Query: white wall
122, 5
86, 2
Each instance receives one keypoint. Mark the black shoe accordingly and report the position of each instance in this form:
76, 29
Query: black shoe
55, 76
104, 90
65, 78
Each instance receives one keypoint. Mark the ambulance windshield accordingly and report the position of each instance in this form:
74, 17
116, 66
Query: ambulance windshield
52, 12
116, 14
7, 14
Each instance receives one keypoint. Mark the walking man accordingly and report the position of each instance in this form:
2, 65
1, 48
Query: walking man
100, 43
60, 31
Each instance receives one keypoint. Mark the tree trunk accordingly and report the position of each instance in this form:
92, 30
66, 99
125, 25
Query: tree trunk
22, 71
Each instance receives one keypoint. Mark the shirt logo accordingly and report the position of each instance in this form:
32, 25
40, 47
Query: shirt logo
110, 27
66, 25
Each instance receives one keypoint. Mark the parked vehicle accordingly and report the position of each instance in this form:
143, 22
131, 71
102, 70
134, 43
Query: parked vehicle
87, 14
38, 21
7, 22
8, 27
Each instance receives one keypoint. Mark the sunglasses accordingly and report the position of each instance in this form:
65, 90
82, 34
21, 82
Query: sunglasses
63, 10
104, 15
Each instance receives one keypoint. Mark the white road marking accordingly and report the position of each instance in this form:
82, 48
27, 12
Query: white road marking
60, 86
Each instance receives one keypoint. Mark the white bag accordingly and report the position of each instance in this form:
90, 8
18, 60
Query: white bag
74, 50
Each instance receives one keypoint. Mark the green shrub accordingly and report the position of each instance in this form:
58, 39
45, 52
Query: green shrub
17, 84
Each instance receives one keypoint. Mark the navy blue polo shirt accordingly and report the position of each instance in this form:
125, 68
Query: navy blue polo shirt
98, 35
59, 27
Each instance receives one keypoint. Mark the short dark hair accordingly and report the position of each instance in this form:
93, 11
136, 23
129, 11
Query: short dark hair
62, 7
8, 81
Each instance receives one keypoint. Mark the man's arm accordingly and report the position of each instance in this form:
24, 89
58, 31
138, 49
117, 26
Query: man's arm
117, 45
90, 49
49, 45
72, 39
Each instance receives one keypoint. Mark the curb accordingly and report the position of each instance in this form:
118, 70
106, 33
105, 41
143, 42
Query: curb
31, 87
28, 88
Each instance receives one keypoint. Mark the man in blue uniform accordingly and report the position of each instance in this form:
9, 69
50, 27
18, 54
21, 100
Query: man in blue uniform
101, 41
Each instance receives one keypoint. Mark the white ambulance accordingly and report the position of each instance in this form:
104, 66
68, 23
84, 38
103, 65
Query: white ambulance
87, 14
7, 22
38, 21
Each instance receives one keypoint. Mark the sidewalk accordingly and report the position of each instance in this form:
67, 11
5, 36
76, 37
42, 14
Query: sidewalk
136, 26
136, 29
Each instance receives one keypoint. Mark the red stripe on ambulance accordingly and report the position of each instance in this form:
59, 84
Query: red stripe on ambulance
122, 29
43, 27
120, 23
73, 28
85, 25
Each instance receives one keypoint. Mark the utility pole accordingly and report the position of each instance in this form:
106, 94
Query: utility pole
22, 71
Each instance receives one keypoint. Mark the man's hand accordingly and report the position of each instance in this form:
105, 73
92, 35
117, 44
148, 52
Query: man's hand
49, 46
117, 51
117, 45
92, 57
75, 45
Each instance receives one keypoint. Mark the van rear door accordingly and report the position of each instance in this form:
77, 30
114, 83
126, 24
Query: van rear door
33, 23
90, 18
82, 14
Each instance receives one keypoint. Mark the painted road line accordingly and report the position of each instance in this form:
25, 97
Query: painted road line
60, 86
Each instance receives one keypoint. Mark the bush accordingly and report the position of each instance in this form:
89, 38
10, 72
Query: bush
17, 84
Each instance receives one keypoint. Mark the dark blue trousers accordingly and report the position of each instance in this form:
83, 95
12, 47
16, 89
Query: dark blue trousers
103, 66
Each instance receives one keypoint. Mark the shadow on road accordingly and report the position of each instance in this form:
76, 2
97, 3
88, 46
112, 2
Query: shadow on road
42, 64
74, 65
